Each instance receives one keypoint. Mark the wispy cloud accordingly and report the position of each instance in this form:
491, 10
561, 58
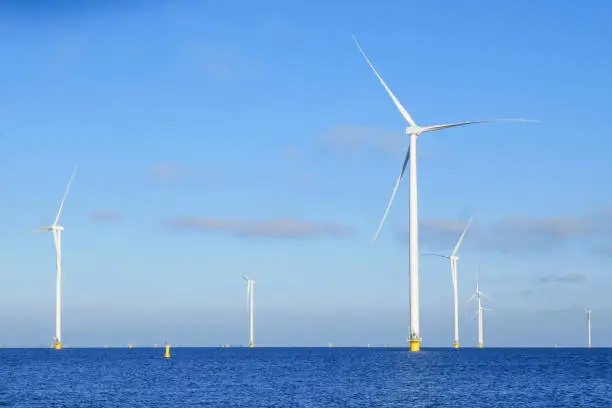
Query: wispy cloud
222, 61
105, 215
567, 278
275, 228
165, 172
520, 234
355, 139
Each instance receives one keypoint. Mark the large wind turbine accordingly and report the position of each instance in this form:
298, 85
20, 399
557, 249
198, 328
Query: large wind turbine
479, 295
588, 312
453, 264
250, 283
414, 130
57, 229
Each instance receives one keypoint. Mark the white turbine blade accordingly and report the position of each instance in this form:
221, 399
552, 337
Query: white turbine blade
248, 294
440, 255
487, 309
461, 237
397, 183
475, 315
486, 297
57, 241
451, 125
397, 103
472, 297
41, 229
64, 198
245, 277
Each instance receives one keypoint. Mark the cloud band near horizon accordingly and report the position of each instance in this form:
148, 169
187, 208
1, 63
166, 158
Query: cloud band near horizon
283, 228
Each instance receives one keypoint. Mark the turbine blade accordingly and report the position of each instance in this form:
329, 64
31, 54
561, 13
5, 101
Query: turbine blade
440, 255
248, 294
451, 125
397, 183
461, 237
397, 103
57, 241
475, 315
472, 297
64, 197
244, 277
486, 297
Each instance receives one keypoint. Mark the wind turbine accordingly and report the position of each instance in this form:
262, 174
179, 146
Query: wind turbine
479, 295
250, 283
588, 312
57, 229
414, 130
453, 264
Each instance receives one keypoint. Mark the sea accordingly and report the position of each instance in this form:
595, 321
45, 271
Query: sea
305, 377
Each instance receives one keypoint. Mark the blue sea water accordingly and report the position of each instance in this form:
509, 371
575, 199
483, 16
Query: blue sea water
306, 377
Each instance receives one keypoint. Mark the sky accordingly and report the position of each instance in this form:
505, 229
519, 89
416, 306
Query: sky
215, 138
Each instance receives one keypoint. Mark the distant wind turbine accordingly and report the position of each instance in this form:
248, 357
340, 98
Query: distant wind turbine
588, 312
479, 295
414, 130
57, 229
250, 287
453, 264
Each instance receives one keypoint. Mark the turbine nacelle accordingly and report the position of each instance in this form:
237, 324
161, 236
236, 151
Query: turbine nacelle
414, 130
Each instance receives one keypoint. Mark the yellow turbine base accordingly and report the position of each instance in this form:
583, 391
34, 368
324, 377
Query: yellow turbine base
456, 345
58, 346
480, 345
251, 345
415, 345
167, 353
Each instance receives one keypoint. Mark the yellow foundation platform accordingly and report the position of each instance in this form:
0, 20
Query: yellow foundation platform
167, 352
480, 345
415, 345
456, 345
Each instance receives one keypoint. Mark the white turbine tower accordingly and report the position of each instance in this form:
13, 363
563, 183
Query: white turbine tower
414, 130
453, 264
57, 229
250, 288
479, 295
588, 312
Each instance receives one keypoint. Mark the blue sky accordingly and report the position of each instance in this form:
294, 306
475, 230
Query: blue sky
221, 137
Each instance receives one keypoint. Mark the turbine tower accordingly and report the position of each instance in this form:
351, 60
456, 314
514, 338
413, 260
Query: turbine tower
588, 312
479, 295
453, 265
57, 229
250, 283
413, 131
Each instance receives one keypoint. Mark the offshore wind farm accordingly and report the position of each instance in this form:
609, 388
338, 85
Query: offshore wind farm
414, 339
219, 144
